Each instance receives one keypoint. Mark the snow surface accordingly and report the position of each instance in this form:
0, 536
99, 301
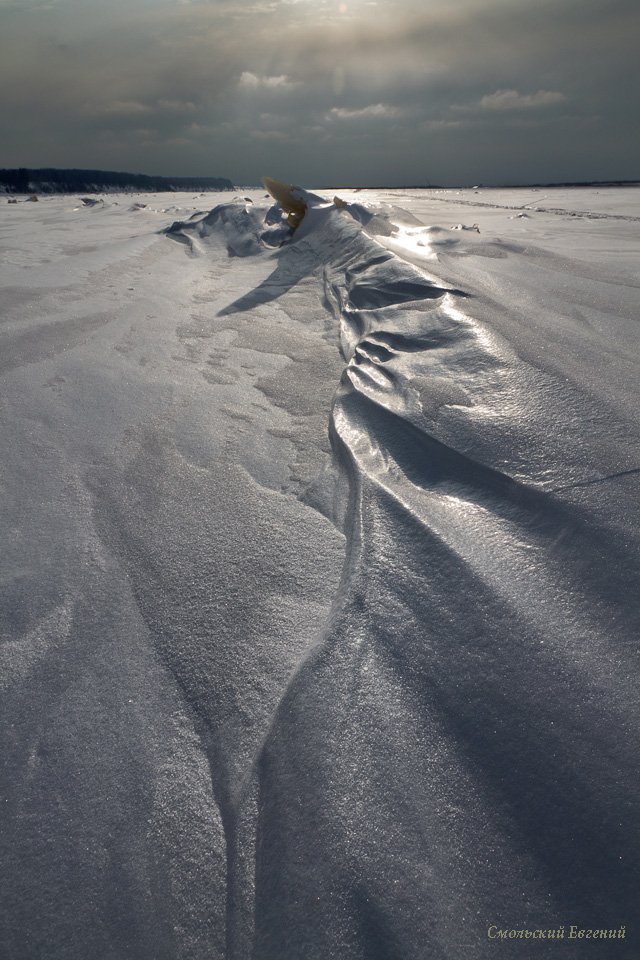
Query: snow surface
320, 575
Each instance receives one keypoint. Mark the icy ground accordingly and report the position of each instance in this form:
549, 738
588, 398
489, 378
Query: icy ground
320, 576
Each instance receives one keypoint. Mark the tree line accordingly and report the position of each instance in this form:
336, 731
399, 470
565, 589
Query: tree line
46, 180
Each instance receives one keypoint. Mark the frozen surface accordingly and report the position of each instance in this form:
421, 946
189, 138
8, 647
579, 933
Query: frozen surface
320, 576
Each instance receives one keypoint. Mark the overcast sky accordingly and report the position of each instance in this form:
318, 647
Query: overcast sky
318, 92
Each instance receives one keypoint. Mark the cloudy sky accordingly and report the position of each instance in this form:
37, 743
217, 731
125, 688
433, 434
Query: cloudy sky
324, 92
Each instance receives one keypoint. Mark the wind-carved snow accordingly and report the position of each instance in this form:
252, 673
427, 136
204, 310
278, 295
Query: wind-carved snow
369, 511
479, 612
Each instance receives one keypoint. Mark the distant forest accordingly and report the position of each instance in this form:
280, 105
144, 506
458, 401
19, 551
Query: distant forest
46, 180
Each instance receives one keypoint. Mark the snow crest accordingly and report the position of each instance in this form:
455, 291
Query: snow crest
454, 752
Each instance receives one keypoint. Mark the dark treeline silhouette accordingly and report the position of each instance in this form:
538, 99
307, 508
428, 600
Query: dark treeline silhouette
44, 180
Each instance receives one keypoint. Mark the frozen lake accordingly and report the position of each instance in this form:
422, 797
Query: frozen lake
319, 576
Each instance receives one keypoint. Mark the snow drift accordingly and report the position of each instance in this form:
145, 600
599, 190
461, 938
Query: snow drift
454, 751
273, 695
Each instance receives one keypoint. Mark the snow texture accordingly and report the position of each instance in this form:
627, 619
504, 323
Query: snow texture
320, 576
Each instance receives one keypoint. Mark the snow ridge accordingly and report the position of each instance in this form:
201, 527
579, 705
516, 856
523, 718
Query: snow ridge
452, 749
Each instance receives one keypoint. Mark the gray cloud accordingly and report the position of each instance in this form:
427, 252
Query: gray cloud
251, 81
324, 92
379, 111
512, 100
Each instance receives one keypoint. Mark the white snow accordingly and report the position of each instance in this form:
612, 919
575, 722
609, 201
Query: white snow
319, 569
